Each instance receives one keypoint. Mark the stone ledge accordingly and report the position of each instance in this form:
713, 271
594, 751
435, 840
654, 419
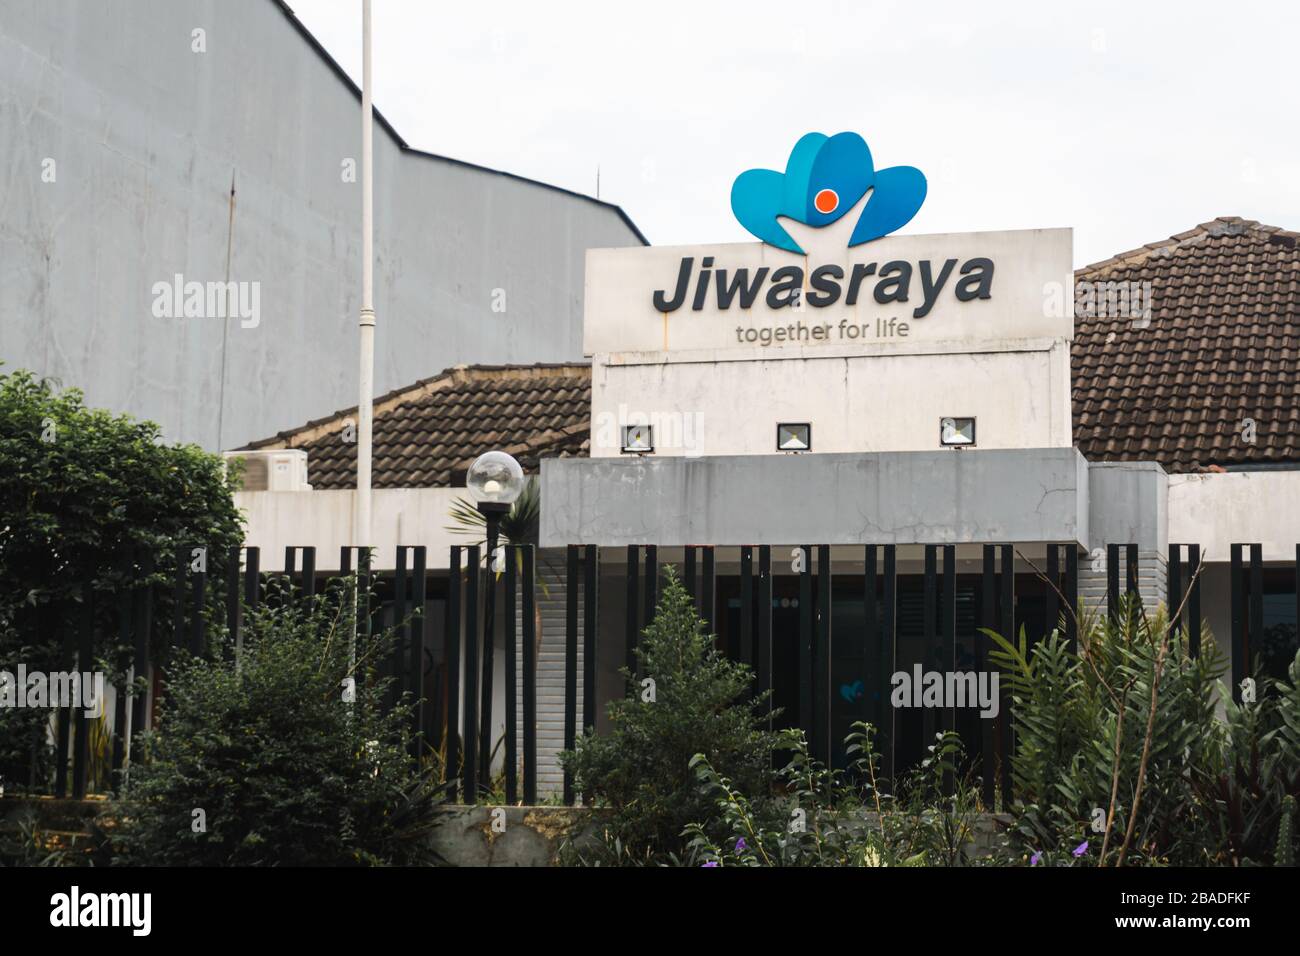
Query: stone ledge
510, 836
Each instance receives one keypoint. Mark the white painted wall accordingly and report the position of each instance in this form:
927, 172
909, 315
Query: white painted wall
854, 403
1216, 510
276, 519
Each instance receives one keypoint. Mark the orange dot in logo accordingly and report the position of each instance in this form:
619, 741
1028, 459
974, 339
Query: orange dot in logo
826, 201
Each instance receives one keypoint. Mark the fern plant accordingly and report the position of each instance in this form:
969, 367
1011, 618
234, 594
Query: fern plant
1119, 750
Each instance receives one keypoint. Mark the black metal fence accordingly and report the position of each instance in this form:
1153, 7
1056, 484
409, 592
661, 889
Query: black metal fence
805, 634
758, 633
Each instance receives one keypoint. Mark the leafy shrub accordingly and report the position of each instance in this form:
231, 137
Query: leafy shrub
88, 497
1250, 787
284, 771
702, 703
1130, 721
827, 817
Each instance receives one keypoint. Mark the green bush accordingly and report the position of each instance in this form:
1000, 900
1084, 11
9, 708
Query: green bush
701, 703
88, 497
1130, 720
1251, 786
284, 770
827, 817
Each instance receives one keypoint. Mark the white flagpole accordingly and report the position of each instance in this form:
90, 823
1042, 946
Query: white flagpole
365, 405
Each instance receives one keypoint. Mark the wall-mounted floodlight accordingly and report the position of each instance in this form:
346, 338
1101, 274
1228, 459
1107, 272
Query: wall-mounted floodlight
957, 432
794, 436
638, 439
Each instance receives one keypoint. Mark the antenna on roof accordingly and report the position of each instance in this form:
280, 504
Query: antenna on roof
598, 180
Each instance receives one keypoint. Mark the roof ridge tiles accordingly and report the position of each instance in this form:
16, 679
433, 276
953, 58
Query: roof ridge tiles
1220, 227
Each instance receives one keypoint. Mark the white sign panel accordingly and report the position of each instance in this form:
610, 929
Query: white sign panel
953, 293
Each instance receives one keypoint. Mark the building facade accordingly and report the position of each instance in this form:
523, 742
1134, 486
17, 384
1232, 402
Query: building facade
894, 442
180, 230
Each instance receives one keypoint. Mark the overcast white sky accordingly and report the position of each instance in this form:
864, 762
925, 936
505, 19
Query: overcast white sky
1128, 121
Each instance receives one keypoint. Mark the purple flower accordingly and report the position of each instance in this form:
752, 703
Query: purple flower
741, 845
712, 863
1081, 849
1036, 858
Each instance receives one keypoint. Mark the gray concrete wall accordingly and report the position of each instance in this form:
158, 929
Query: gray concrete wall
146, 137
1129, 505
1017, 495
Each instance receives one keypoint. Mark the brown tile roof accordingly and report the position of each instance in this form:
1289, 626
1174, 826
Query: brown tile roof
425, 435
1222, 346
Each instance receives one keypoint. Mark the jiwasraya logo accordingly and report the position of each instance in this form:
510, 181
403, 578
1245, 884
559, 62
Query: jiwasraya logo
825, 177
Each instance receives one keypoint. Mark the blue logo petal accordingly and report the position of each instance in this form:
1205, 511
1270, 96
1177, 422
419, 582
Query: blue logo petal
899, 192
823, 179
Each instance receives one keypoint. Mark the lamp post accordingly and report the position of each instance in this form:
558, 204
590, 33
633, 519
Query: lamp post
495, 480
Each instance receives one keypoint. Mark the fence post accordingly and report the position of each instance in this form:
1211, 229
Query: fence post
63, 737
252, 586
948, 624
1131, 569
397, 654
871, 676
416, 663
290, 569
822, 654
710, 591
1112, 583
806, 720
888, 653
764, 665
309, 575
570, 663
1255, 638
234, 615
1174, 588
930, 615
688, 575
469, 725
1194, 603
1072, 596
983, 644
451, 654
530, 679
142, 625
1238, 620
630, 637
1008, 602
198, 602
590, 604
1052, 617
746, 644
125, 638
651, 583
178, 597
513, 555
85, 665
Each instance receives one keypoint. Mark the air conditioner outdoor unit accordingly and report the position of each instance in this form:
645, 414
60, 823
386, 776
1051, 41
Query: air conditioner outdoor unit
277, 469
